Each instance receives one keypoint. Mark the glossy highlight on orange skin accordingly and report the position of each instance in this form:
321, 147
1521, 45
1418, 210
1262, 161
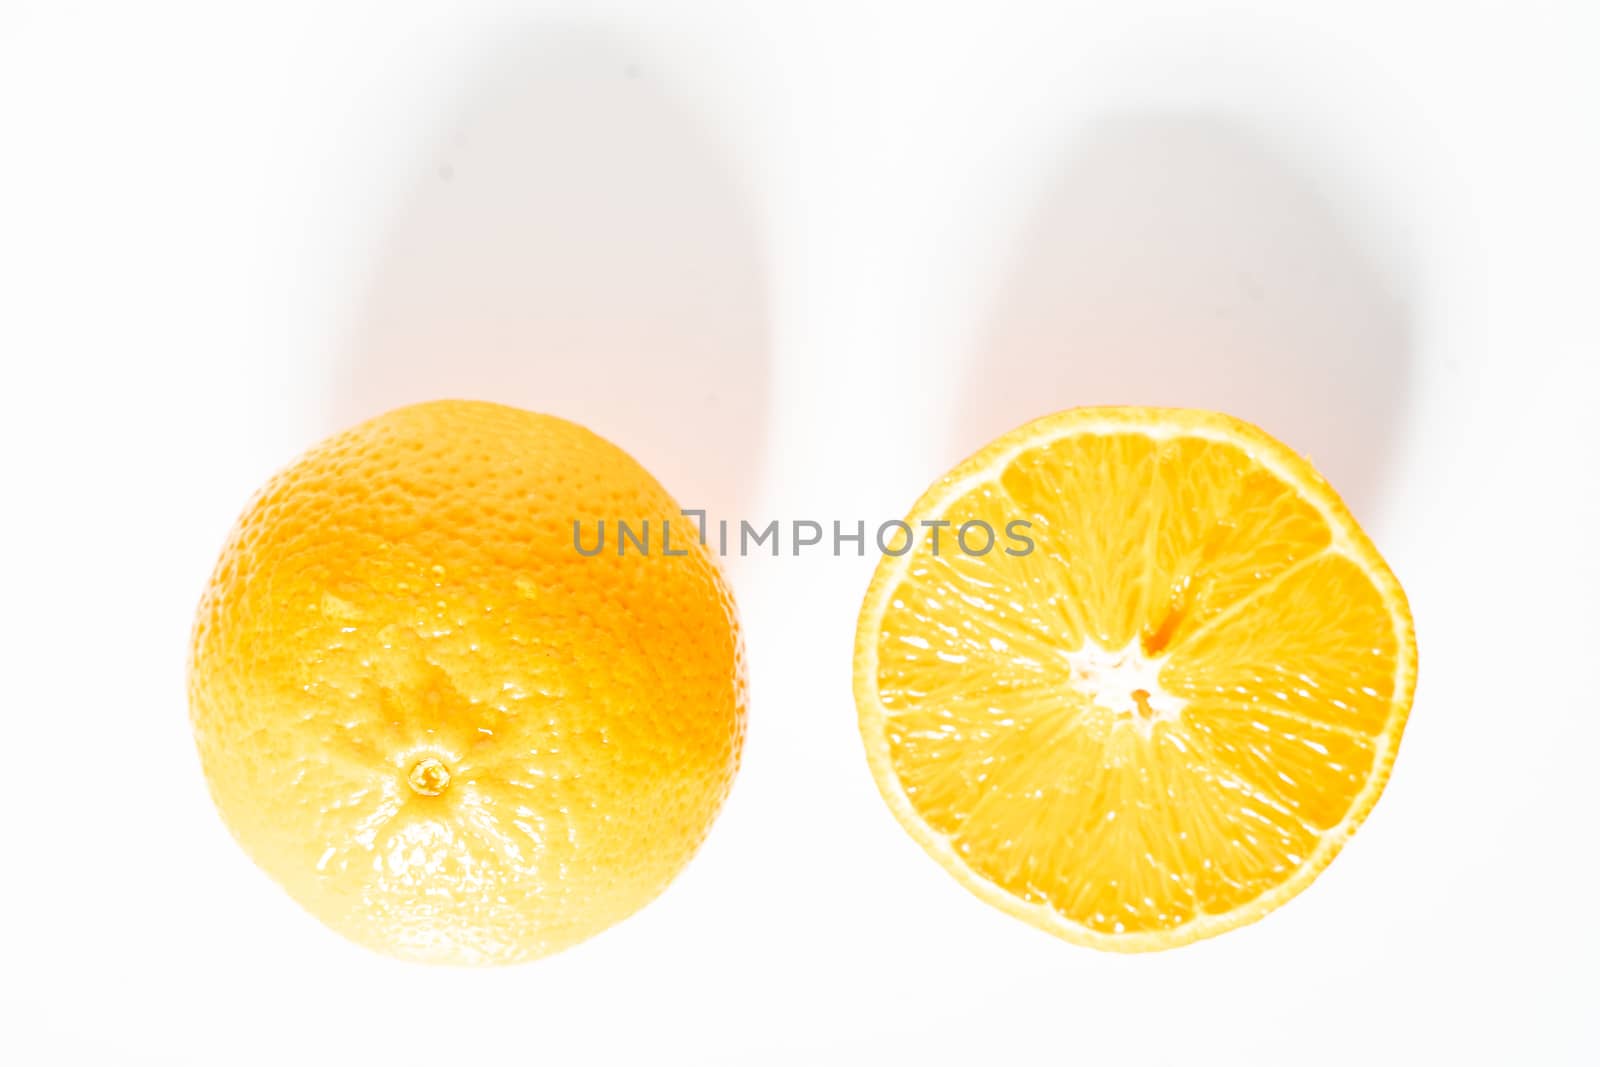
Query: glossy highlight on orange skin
1168, 718
445, 733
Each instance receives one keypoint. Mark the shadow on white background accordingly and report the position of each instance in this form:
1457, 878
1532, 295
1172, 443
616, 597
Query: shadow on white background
1178, 261
574, 245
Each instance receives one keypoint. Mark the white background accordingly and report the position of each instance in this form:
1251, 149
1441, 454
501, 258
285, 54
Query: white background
800, 258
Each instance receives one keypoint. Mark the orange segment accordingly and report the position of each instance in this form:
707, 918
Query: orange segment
1166, 718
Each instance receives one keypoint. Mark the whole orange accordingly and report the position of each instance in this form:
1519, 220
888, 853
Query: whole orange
449, 734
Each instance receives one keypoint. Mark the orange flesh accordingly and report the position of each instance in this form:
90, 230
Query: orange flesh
1186, 693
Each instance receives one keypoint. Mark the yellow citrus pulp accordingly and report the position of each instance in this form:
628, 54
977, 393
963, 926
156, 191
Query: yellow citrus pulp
1164, 720
446, 732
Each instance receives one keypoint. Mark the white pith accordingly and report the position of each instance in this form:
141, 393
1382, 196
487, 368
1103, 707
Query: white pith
1112, 678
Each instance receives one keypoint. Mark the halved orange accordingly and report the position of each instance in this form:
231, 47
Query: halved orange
1158, 709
